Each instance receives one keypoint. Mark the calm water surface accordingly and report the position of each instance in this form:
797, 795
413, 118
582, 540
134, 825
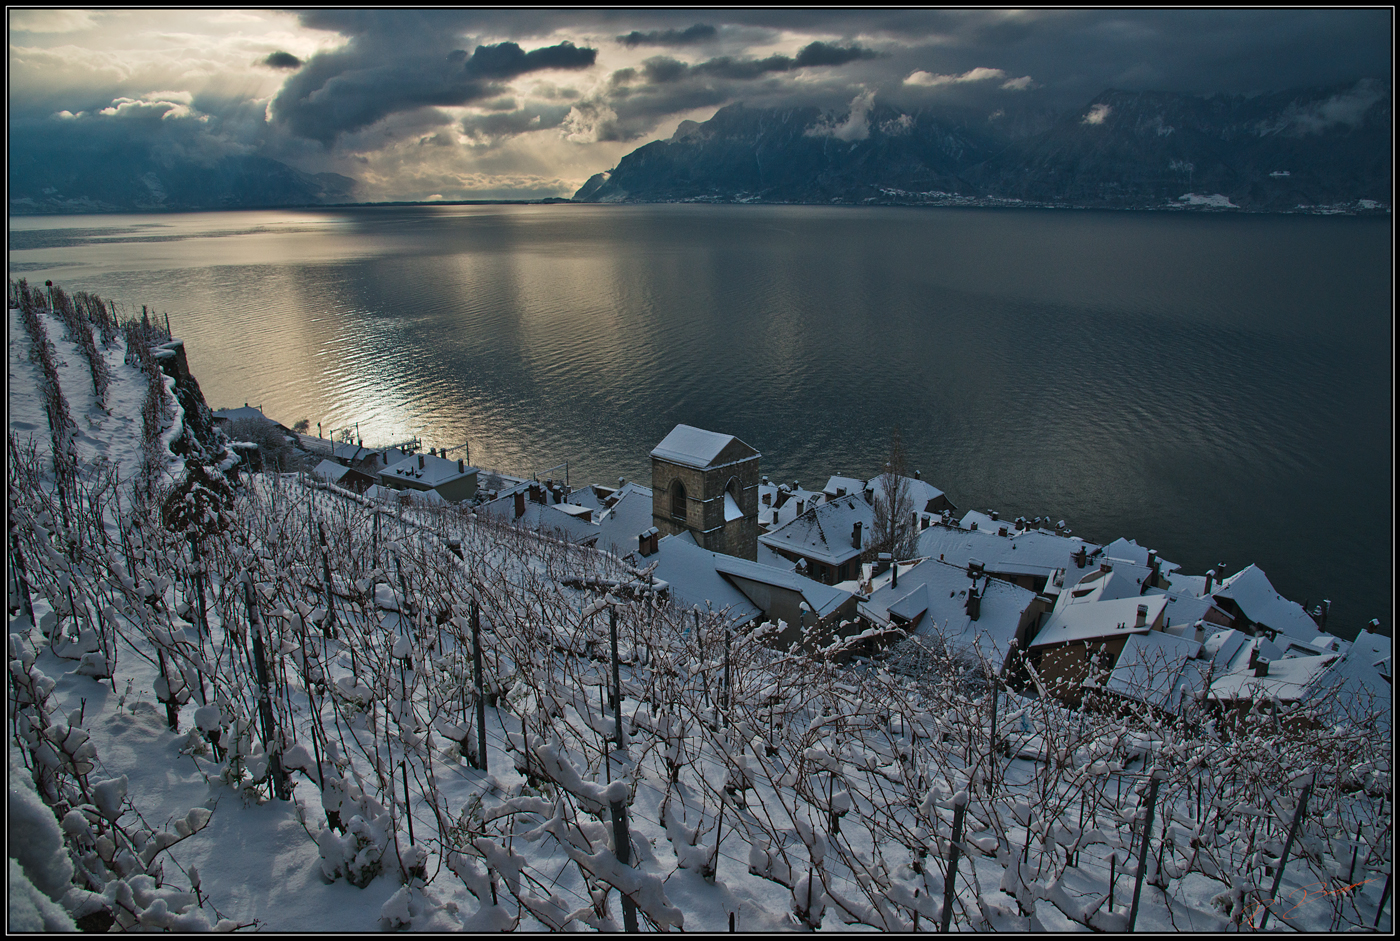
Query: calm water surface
1218, 387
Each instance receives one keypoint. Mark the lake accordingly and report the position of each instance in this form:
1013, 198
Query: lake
1217, 386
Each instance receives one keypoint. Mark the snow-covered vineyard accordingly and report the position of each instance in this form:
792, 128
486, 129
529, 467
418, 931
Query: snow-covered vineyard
276, 704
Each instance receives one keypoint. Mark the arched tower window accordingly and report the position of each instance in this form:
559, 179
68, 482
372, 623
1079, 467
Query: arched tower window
678, 499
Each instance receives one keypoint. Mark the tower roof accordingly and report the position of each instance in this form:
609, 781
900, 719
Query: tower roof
696, 447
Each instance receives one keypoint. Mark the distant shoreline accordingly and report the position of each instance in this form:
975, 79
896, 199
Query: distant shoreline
956, 202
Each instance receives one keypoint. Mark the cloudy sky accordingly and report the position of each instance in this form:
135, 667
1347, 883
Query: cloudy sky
530, 103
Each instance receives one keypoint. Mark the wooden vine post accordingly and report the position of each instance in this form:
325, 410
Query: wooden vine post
1142, 850
480, 689
269, 723
328, 625
622, 845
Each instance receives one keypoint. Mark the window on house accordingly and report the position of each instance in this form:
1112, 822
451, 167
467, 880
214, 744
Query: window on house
678, 500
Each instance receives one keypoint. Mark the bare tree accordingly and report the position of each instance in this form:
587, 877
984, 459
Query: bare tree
893, 529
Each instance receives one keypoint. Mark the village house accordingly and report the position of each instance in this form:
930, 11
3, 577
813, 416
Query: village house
706, 483
1256, 607
811, 614
343, 476
924, 496
976, 616
1082, 640
452, 480
1162, 670
827, 540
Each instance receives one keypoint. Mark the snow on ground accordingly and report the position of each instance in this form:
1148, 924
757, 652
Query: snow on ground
891, 756
112, 434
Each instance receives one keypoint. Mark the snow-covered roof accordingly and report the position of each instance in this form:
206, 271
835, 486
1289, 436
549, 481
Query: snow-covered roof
1026, 553
586, 497
771, 515
434, 472
823, 532
690, 571
1185, 609
329, 470
1223, 646
921, 492
1359, 684
1091, 619
544, 518
767, 556
938, 591
1288, 679
696, 447
837, 483
823, 599
1125, 550
628, 517
247, 411
1156, 668
1251, 590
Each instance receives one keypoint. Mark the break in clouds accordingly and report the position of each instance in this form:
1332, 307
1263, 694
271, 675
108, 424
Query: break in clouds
502, 103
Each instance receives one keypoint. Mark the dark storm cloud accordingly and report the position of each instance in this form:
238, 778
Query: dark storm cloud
485, 129
370, 78
670, 37
664, 69
282, 60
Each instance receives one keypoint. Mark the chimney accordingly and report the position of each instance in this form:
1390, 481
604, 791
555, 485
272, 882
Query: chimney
519, 503
644, 544
1151, 558
1210, 580
1142, 615
974, 568
461, 466
974, 524
1326, 606
855, 535
916, 476
799, 506
994, 515
1081, 558
655, 538
420, 462
1001, 531
894, 571
974, 602
924, 523
1261, 666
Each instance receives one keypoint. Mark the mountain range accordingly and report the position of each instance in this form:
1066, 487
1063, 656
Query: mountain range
127, 178
1319, 149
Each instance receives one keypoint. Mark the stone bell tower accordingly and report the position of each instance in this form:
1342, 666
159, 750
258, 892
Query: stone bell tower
706, 483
